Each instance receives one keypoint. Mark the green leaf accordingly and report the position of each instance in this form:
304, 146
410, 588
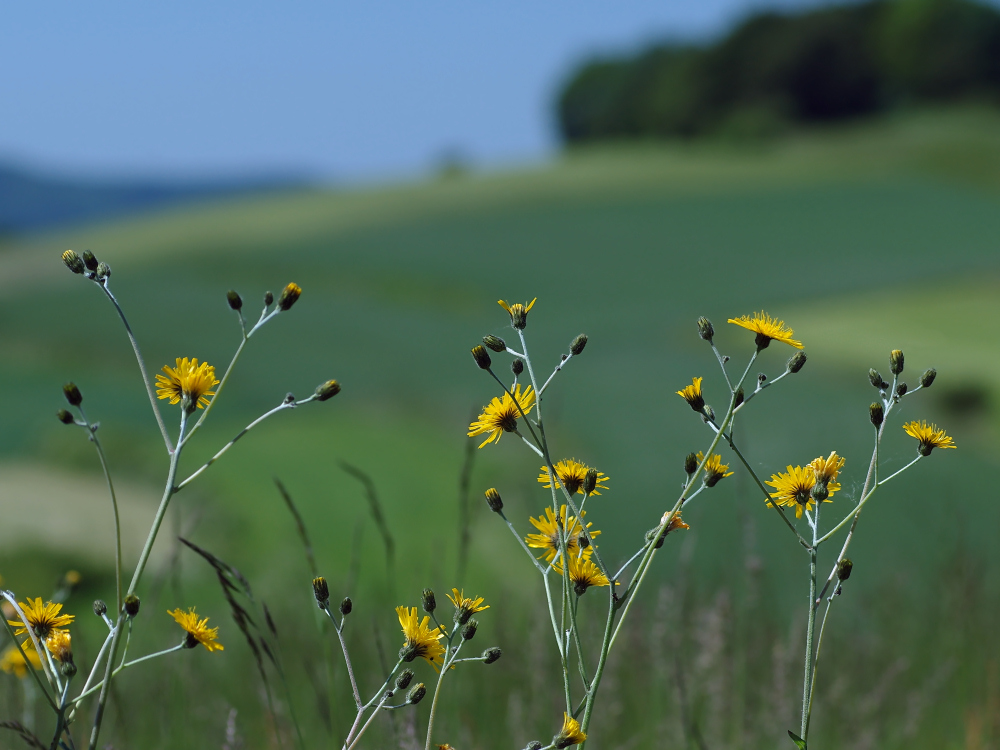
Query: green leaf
799, 742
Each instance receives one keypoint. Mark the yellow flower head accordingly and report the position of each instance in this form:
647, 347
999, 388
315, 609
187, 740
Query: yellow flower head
692, 394
572, 474
767, 328
43, 618
570, 733
582, 573
518, 312
714, 469
465, 608
794, 488
420, 640
549, 528
197, 630
929, 435
188, 381
12, 662
826, 469
60, 645
500, 416
675, 523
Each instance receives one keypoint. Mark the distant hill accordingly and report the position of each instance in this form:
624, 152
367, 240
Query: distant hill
779, 70
31, 201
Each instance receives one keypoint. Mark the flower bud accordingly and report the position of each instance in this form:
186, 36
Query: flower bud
234, 299
416, 694
896, 361
877, 414
268, 298
690, 463
73, 261
100, 608
590, 481
928, 377
469, 629
428, 601
67, 668
131, 605
533, 745
289, 295
577, 345
705, 329
494, 500
403, 679
482, 357
517, 366
321, 590
796, 362
820, 491
740, 397
89, 260
495, 343
583, 541
65, 417
346, 605
844, 568
901, 389
327, 390
761, 378
875, 378
103, 270
492, 654
72, 394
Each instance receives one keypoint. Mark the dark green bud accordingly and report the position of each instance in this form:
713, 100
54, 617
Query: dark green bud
820, 491
73, 394
705, 329
494, 500
517, 366
901, 389
131, 605
403, 679
482, 357
896, 361
100, 608
103, 270
73, 261
762, 341
877, 414
67, 668
327, 390
416, 694
690, 463
844, 568
577, 345
321, 590
796, 362
289, 295
495, 343
428, 601
928, 377
875, 378
89, 260
590, 481
469, 629
268, 298
740, 397
65, 417
346, 605
492, 654
533, 745
234, 299
408, 653
583, 541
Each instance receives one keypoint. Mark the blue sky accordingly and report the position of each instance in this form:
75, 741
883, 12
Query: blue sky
341, 91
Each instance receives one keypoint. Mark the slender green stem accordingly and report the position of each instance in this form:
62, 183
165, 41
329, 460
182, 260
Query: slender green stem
125, 665
445, 666
810, 627
218, 391
60, 718
722, 365
370, 720
142, 367
347, 658
92, 434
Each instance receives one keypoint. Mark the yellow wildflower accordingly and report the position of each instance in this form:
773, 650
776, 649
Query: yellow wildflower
43, 618
767, 328
550, 527
197, 630
501, 415
420, 640
189, 381
929, 435
572, 474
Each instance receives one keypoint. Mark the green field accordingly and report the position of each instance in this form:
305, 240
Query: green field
863, 239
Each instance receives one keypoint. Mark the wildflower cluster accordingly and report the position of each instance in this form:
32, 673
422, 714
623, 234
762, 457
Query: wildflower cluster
42, 642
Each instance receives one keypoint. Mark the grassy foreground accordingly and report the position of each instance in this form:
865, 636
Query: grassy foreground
863, 240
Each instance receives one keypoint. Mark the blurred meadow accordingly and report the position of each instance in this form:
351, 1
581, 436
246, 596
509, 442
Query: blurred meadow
864, 237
